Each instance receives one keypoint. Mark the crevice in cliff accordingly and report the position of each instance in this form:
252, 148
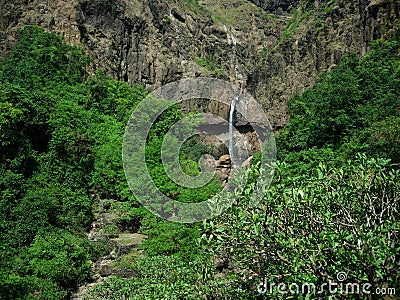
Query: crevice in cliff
363, 17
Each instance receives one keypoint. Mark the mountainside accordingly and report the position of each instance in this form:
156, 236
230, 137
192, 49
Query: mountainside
315, 204
274, 48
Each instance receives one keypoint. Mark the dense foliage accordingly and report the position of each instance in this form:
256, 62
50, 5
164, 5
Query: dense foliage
311, 228
353, 108
60, 138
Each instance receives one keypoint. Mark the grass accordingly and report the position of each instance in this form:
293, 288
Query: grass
190, 6
209, 64
234, 13
297, 18
127, 261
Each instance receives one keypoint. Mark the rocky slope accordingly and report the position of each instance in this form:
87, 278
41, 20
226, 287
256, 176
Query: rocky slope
274, 49
123, 244
281, 7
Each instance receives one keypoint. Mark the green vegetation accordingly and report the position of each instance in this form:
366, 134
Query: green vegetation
333, 205
334, 202
176, 279
61, 141
354, 108
310, 228
209, 64
238, 13
60, 137
298, 17
191, 6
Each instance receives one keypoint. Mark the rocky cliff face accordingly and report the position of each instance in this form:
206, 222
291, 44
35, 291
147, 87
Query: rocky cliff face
156, 42
316, 44
280, 7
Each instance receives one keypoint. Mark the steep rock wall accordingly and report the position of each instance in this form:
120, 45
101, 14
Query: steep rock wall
156, 42
316, 45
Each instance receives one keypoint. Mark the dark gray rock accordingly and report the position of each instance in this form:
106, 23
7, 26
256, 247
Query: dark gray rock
279, 7
105, 268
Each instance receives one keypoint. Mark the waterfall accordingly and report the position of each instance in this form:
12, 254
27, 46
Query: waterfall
231, 121
238, 75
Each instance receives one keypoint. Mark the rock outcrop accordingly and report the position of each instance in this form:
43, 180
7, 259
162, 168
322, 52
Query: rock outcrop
314, 44
280, 7
105, 230
156, 42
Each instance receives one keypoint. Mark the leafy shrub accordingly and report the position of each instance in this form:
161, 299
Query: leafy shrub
176, 279
59, 256
308, 229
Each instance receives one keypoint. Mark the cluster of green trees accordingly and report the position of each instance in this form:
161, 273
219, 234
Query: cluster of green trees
333, 205
60, 149
353, 108
60, 142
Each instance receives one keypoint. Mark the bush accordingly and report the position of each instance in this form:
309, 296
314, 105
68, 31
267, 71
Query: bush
308, 229
61, 257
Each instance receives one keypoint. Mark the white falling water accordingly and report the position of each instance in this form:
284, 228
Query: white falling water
231, 121
238, 75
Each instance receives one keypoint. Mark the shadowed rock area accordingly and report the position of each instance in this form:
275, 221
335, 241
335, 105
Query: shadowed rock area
279, 7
